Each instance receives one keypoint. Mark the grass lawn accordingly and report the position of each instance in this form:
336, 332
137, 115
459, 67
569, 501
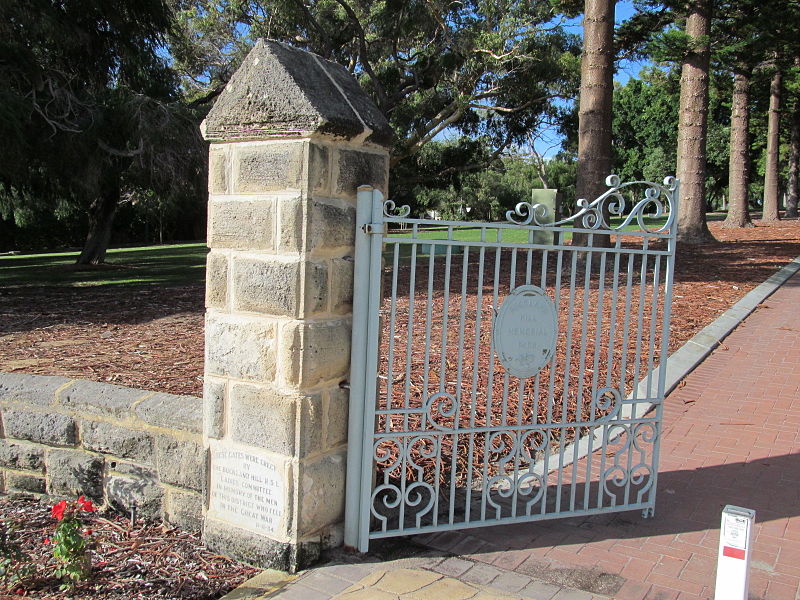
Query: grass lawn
178, 264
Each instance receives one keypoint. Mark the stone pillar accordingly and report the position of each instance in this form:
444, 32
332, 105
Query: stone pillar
292, 137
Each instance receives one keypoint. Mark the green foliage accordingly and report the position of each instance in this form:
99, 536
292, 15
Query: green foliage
482, 68
91, 110
69, 545
15, 565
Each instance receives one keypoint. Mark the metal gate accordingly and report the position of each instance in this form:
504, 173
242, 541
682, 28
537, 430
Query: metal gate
508, 372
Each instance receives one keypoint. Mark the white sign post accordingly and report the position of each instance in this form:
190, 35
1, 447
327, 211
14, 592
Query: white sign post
735, 546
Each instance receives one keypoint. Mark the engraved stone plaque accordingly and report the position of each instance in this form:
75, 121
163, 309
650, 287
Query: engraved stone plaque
525, 331
246, 489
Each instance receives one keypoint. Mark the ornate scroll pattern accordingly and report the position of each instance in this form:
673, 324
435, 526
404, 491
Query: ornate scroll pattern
391, 498
591, 214
391, 210
632, 468
606, 401
442, 407
516, 452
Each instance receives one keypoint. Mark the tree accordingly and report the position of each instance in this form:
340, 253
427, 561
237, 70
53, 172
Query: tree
771, 187
595, 104
693, 125
485, 69
90, 108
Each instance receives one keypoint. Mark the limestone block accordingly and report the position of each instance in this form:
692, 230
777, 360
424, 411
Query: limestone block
181, 463
341, 285
319, 170
288, 425
337, 415
216, 280
30, 389
184, 509
240, 346
331, 225
314, 351
361, 168
44, 428
182, 413
21, 482
242, 224
321, 493
74, 473
217, 171
103, 399
130, 486
214, 408
268, 167
291, 225
19, 455
119, 441
270, 286
254, 549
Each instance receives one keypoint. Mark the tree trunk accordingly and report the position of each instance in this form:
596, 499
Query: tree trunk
794, 165
693, 128
739, 165
595, 107
771, 192
101, 219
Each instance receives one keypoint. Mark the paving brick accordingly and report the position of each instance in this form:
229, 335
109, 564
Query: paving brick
453, 567
510, 582
481, 574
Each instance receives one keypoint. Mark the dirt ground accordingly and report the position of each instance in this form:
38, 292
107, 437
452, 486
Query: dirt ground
152, 338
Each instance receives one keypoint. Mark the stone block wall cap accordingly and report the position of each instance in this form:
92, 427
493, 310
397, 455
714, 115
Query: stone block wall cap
280, 91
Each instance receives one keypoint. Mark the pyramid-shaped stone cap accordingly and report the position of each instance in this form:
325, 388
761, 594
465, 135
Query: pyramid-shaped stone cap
281, 91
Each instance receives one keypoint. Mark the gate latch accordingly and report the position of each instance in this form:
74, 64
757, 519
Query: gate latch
370, 228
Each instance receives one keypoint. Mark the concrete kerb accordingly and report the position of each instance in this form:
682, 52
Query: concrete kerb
686, 358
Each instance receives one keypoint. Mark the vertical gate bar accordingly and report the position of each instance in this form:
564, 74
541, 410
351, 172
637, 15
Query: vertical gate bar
512, 277
495, 298
638, 362
392, 325
475, 363
373, 333
537, 380
445, 312
412, 294
553, 368
662, 365
587, 292
598, 341
490, 380
459, 380
626, 327
637, 368
356, 432
428, 319
653, 319
612, 334
565, 391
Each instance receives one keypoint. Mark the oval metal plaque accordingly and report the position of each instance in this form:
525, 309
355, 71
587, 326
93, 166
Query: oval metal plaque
525, 331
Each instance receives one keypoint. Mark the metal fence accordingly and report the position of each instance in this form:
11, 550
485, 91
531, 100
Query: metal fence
496, 367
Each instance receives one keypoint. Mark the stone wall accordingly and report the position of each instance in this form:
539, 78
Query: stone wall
121, 447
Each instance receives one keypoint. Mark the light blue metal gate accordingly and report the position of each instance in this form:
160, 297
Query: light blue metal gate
508, 372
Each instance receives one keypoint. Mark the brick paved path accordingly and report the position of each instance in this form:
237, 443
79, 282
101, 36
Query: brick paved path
731, 436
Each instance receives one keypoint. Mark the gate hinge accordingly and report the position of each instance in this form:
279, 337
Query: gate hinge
372, 228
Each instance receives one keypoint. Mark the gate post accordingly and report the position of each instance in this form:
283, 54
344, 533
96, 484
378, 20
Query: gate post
292, 136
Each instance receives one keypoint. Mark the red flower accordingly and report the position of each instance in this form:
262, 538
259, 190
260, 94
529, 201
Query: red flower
85, 504
58, 510
46, 540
